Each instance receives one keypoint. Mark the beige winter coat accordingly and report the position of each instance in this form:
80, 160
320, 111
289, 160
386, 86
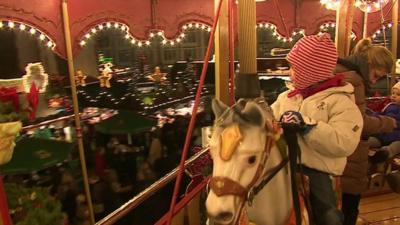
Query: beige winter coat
337, 126
354, 179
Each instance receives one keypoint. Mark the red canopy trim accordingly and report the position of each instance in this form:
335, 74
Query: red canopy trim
43, 37
152, 33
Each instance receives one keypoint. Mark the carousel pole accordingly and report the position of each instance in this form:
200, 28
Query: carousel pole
395, 18
231, 51
221, 50
344, 22
247, 83
68, 45
365, 25
5, 218
193, 118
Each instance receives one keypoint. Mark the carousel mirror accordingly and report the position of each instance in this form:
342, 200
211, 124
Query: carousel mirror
117, 71
27, 58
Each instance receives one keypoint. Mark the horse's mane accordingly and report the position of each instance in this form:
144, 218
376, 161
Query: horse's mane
244, 113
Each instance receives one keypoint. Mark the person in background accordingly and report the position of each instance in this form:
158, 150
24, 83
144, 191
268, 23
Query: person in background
325, 105
100, 162
365, 66
156, 147
389, 143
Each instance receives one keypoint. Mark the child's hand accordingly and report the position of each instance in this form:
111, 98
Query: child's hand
296, 118
292, 117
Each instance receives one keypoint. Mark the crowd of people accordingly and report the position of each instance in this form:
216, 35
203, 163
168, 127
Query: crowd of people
117, 170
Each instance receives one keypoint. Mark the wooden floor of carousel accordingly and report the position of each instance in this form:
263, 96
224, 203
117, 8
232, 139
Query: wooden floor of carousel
379, 205
380, 209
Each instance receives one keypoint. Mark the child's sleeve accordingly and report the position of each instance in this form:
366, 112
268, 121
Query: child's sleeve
393, 111
277, 105
340, 135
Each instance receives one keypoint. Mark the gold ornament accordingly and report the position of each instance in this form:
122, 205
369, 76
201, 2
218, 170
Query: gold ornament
8, 132
230, 139
157, 76
80, 78
106, 75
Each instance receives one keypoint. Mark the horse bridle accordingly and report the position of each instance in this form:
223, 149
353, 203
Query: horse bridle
222, 186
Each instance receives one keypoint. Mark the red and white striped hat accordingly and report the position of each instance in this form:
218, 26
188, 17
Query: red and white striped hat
313, 59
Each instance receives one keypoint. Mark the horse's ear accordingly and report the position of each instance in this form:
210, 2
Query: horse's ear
218, 107
254, 113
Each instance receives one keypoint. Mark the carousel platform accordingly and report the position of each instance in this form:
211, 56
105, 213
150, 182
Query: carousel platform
380, 209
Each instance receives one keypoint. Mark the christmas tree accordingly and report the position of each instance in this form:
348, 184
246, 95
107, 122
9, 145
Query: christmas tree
33, 206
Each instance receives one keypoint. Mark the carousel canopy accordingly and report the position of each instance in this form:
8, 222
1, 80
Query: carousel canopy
33, 154
142, 19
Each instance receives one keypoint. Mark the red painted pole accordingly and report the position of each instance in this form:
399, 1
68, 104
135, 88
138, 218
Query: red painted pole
5, 214
193, 118
182, 203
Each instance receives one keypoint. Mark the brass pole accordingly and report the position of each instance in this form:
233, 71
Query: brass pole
221, 51
344, 22
68, 45
247, 37
365, 25
247, 84
395, 18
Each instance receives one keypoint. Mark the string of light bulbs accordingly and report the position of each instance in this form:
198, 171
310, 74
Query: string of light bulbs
153, 33
277, 35
40, 35
332, 25
381, 29
367, 6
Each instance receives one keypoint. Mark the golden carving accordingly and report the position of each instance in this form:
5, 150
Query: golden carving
230, 139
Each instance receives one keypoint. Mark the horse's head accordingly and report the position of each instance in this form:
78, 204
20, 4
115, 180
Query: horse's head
239, 149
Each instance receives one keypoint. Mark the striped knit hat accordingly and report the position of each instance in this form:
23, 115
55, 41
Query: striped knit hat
312, 59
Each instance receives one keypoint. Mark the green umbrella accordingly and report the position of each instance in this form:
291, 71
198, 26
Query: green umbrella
33, 154
125, 122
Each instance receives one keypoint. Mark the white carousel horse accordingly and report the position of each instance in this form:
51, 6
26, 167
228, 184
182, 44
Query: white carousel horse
243, 150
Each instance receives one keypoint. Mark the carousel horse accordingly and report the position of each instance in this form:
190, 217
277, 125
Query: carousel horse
244, 152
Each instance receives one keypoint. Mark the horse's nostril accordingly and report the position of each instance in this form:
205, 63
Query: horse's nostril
224, 217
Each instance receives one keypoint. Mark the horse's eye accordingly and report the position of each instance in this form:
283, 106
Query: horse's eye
251, 159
